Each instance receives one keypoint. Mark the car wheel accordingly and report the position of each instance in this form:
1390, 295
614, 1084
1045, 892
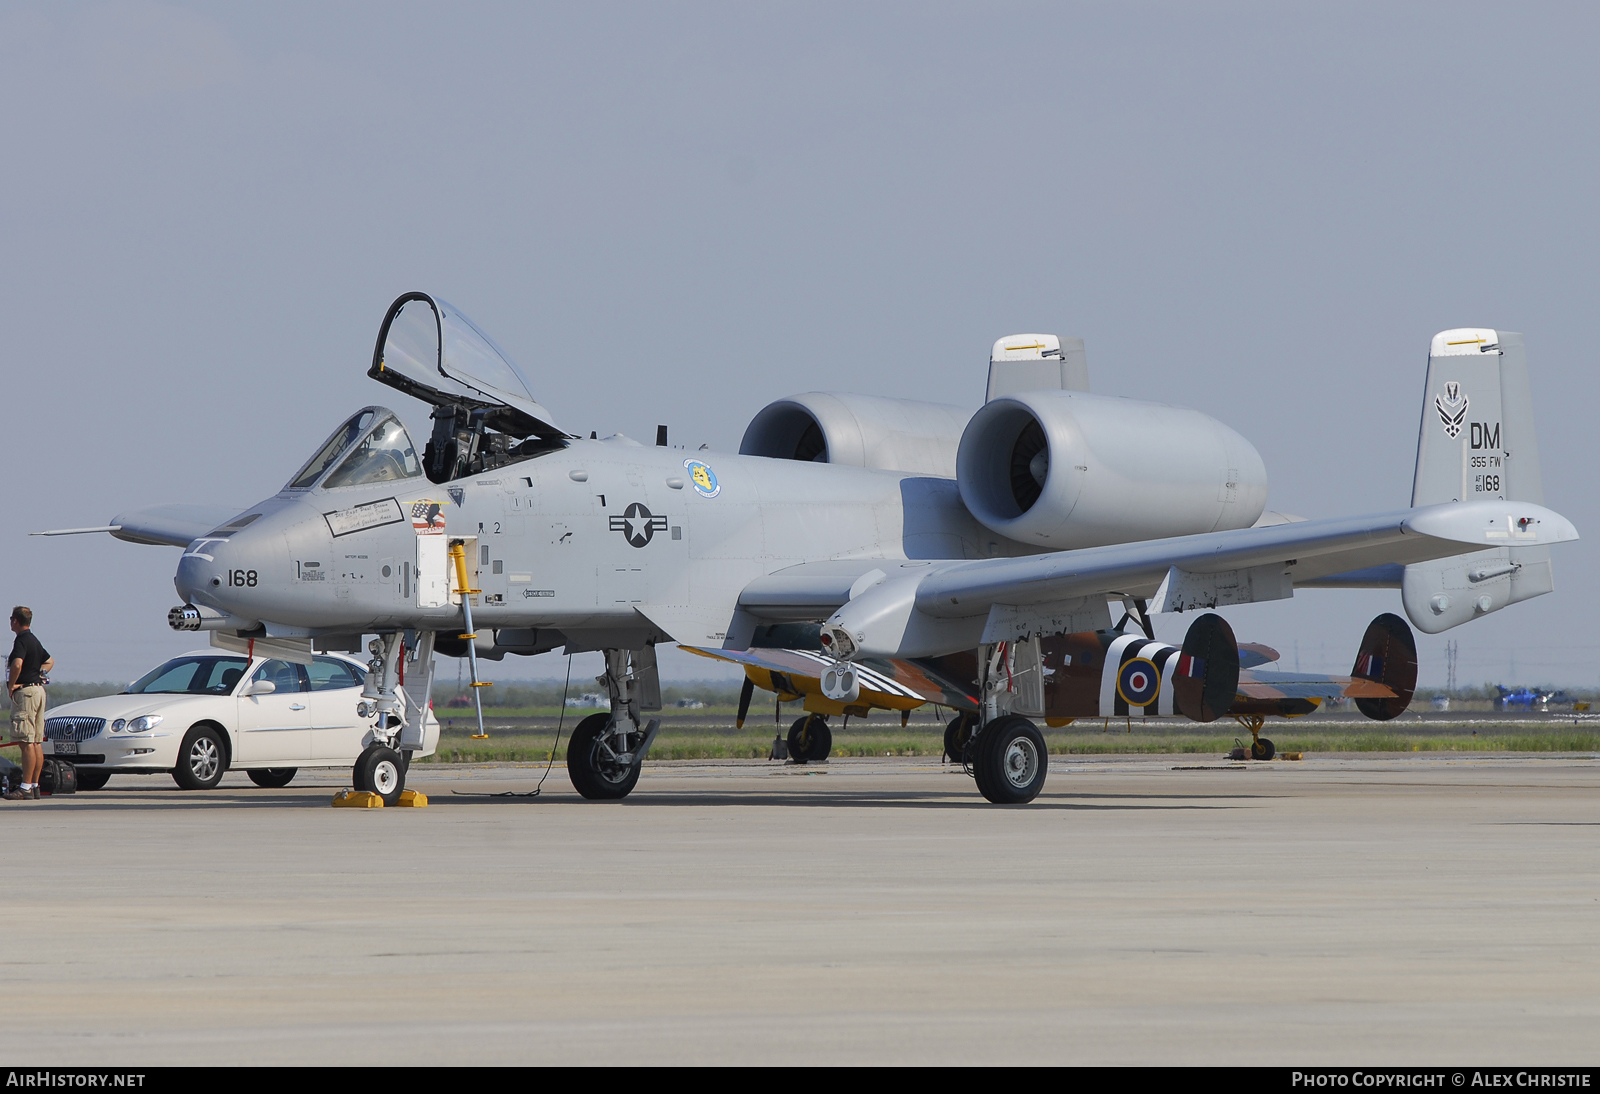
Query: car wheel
380, 770
92, 780
202, 759
272, 778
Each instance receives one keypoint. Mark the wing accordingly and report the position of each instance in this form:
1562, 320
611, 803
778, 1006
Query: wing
885, 682
168, 525
919, 609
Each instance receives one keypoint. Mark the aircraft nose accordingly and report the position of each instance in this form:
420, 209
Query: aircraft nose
205, 573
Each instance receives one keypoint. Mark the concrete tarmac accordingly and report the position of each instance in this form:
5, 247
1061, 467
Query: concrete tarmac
1422, 909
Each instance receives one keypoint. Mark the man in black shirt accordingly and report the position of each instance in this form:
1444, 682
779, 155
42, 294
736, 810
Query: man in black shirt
29, 666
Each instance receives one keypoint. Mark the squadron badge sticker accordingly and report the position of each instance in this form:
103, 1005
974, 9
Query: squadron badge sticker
1452, 408
704, 479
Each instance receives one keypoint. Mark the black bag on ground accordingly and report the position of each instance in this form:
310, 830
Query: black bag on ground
58, 777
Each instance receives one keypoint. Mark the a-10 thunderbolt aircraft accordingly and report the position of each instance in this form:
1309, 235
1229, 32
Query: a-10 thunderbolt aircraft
969, 559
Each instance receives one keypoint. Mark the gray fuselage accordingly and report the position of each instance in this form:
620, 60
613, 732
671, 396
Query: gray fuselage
596, 536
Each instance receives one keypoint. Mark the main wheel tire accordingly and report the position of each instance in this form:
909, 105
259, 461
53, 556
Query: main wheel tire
594, 775
1010, 760
272, 778
958, 736
92, 780
380, 769
810, 739
1262, 749
202, 759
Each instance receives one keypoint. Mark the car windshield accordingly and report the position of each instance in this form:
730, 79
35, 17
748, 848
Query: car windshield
191, 676
386, 455
331, 448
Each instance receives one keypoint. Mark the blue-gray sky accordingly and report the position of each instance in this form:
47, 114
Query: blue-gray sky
677, 213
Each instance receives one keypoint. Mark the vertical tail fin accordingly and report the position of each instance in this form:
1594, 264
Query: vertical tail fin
1036, 362
1476, 442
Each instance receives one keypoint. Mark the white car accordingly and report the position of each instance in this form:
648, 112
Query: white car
202, 713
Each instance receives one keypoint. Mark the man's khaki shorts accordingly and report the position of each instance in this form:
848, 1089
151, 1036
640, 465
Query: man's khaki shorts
27, 714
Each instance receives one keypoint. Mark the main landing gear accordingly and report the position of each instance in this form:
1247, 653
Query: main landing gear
810, 739
607, 750
1009, 760
1006, 755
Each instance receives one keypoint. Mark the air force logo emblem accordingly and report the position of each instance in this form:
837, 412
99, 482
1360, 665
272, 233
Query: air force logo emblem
638, 525
1452, 408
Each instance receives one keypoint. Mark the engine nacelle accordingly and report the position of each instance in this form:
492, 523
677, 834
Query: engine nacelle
1067, 469
859, 431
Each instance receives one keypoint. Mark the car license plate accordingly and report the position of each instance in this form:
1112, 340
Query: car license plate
66, 748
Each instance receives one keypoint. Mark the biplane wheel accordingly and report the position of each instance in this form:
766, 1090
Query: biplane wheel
810, 739
1010, 760
594, 775
1261, 749
958, 736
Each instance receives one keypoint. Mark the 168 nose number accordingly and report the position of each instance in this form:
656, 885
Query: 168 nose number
242, 578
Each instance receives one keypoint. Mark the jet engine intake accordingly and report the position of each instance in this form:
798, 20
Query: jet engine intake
1067, 469
859, 431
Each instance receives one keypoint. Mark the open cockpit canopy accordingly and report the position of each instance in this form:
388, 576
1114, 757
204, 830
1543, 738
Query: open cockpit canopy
430, 350
482, 404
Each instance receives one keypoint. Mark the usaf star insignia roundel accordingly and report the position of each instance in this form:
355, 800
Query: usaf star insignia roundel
638, 525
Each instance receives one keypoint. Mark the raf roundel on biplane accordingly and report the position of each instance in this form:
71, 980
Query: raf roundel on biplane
856, 553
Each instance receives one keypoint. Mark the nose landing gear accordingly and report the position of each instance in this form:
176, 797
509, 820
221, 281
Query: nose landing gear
400, 712
381, 770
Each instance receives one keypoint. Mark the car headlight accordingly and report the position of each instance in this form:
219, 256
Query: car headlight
148, 721
119, 725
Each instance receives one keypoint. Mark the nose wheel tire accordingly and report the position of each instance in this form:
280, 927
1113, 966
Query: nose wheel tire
380, 770
810, 739
1262, 749
202, 759
958, 736
591, 762
1010, 760
272, 778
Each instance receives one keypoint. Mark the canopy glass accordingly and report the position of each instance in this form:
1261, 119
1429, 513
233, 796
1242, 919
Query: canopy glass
429, 349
